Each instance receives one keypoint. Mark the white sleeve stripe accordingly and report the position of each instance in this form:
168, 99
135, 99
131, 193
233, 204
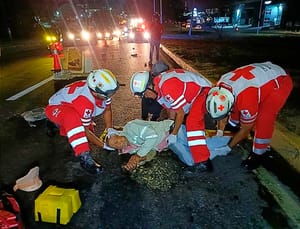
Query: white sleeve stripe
195, 133
179, 105
178, 100
79, 141
233, 123
248, 120
86, 119
197, 142
75, 131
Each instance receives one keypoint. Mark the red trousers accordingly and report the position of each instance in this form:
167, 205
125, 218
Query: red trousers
195, 128
267, 114
70, 125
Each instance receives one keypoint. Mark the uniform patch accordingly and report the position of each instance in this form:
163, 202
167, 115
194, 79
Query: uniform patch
245, 114
55, 112
87, 113
169, 99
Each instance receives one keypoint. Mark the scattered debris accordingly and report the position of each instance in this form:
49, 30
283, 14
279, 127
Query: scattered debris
30, 182
34, 115
133, 52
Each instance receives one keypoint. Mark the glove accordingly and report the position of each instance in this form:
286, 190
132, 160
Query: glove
172, 139
222, 151
219, 133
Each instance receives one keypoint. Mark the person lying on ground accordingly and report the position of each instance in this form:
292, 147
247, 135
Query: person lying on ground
140, 137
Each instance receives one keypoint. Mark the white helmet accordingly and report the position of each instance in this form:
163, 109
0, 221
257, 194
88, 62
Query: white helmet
219, 102
103, 82
139, 82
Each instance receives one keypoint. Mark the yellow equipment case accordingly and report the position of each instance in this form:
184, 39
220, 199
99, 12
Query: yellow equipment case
56, 205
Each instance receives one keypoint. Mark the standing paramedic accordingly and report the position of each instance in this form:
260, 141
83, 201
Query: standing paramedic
156, 30
73, 107
183, 93
252, 97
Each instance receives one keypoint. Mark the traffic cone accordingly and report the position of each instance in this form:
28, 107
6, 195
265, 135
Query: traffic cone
57, 65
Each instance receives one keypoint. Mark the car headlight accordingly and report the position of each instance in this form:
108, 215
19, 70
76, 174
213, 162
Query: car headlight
117, 33
107, 35
146, 35
85, 35
99, 35
131, 35
48, 38
71, 36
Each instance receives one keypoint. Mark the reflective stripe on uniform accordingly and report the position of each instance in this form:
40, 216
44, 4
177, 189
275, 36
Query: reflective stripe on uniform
262, 140
195, 133
197, 142
178, 103
78, 142
74, 131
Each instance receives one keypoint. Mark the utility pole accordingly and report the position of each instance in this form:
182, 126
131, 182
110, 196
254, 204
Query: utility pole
160, 7
259, 16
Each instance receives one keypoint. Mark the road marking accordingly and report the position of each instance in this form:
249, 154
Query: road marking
28, 90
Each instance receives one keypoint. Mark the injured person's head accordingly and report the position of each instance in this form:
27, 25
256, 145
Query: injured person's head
116, 140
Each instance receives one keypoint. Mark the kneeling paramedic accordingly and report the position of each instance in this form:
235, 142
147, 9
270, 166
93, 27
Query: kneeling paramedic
250, 97
73, 107
183, 93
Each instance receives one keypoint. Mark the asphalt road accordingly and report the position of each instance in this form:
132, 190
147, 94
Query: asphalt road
229, 197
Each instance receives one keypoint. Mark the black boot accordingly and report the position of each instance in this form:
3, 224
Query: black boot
51, 128
88, 163
204, 166
253, 161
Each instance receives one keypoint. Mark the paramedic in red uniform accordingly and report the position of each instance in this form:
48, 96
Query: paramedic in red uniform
73, 107
250, 97
183, 93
